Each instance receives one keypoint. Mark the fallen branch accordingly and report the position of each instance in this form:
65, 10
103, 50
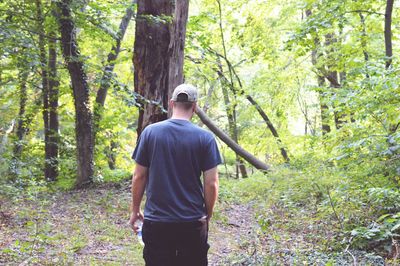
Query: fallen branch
228, 141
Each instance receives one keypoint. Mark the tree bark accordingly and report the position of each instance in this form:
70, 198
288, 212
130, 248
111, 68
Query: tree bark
233, 145
80, 88
158, 56
177, 45
388, 32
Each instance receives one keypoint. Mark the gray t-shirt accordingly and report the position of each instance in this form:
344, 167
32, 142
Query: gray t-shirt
176, 153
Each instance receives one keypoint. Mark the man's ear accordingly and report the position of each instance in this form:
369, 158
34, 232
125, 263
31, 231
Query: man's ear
171, 104
194, 107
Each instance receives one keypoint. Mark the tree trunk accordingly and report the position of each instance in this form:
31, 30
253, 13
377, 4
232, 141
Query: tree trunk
21, 123
111, 154
177, 45
388, 32
21, 126
158, 56
230, 106
80, 88
389, 49
4, 139
48, 169
52, 170
315, 56
231, 114
332, 75
364, 37
228, 141
108, 70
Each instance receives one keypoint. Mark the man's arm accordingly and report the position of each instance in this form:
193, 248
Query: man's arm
210, 190
139, 180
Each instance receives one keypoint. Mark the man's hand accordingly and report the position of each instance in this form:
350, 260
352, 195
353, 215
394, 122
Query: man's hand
133, 219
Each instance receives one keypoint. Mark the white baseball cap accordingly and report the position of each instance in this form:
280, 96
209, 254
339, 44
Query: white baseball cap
187, 89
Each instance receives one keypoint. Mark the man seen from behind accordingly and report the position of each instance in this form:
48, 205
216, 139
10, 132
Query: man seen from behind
170, 158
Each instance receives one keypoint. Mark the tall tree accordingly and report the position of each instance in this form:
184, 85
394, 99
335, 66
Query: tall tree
50, 166
230, 105
158, 56
22, 128
51, 171
388, 32
80, 88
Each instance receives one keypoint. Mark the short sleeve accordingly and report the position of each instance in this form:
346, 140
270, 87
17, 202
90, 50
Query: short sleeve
141, 153
211, 156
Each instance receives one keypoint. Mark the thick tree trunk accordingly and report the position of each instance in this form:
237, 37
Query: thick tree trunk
108, 70
52, 169
388, 32
177, 45
233, 145
83, 115
158, 56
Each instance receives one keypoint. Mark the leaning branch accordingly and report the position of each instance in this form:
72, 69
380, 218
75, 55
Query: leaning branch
228, 141
108, 70
255, 104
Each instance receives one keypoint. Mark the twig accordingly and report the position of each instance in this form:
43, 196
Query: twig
365, 11
333, 208
347, 250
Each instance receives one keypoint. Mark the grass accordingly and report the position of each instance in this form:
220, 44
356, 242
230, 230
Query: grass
78, 227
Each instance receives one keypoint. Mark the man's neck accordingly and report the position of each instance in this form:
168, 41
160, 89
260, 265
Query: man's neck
181, 117
179, 114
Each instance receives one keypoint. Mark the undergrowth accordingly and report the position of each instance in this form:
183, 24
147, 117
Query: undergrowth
339, 205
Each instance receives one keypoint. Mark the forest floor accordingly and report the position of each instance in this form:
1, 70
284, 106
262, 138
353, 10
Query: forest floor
89, 227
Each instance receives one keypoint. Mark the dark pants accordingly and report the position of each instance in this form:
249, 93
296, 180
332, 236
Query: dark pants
175, 244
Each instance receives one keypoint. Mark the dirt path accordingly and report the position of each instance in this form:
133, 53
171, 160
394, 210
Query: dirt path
234, 236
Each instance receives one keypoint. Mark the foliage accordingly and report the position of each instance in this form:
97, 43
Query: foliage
345, 181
